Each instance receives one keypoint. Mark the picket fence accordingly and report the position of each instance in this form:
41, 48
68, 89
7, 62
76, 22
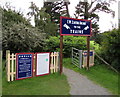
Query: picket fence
11, 64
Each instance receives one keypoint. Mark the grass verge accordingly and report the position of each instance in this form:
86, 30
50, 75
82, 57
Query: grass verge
99, 74
53, 84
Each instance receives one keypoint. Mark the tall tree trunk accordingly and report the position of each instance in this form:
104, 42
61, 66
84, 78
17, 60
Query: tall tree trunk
66, 4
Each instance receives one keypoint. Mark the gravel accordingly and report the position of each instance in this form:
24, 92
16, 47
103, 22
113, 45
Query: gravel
81, 85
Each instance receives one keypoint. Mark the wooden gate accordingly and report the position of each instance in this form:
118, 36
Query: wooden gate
79, 58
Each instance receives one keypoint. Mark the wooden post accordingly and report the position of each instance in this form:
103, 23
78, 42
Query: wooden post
51, 62
80, 58
1, 57
8, 64
56, 61
61, 53
88, 37
88, 51
54, 58
1, 73
12, 73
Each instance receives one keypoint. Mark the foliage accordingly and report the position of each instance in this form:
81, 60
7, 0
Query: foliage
56, 9
110, 47
85, 10
98, 38
94, 45
72, 41
42, 20
18, 34
53, 44
99, 74
21, 38
9, 17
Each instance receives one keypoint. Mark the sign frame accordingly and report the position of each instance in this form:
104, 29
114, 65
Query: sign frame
32, 64
36, 64
61, 34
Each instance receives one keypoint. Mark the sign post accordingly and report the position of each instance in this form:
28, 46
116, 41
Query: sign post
88, 51
61, 53
74, 27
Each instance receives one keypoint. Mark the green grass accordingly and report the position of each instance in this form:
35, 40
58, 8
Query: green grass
99, 74
53, 84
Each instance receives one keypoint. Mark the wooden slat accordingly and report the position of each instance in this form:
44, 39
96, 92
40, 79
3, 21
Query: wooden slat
51, 62
12, 59
54, 57
84, 60
15, 67
54, 62
12, 73
8, 66
57, 62
12, 67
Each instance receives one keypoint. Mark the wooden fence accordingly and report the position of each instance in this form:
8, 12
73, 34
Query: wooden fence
91, 59
11, 64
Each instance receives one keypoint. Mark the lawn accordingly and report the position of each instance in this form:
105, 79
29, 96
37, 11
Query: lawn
99, 74
53, 84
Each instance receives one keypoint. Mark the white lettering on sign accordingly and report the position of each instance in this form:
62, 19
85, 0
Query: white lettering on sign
76, 31
69, 21
76, 22
77, 27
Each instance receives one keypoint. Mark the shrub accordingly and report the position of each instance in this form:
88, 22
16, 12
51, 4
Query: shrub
20, 38
17, 33
110, 47
53, 44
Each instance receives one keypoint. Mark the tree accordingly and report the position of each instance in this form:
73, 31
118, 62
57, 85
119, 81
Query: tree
85, 10
42, 20
34, 13
18, 34
57, 9
9, 17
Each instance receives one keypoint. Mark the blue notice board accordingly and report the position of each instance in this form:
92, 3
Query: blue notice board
24, 68
75, 27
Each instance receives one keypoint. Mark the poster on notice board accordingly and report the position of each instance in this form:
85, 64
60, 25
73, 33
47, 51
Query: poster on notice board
24, 68
42, 64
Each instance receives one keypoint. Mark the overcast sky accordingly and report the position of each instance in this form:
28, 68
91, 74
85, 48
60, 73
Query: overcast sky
105, 23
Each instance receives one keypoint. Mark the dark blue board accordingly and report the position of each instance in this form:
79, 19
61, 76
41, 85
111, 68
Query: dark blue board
75, 27
24, 65
85, 54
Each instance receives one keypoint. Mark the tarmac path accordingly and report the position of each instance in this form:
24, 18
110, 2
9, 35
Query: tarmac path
81, 85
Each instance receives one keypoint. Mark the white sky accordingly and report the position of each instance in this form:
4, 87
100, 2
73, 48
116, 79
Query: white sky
105, 23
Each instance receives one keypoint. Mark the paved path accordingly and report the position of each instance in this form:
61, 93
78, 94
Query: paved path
80, 85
